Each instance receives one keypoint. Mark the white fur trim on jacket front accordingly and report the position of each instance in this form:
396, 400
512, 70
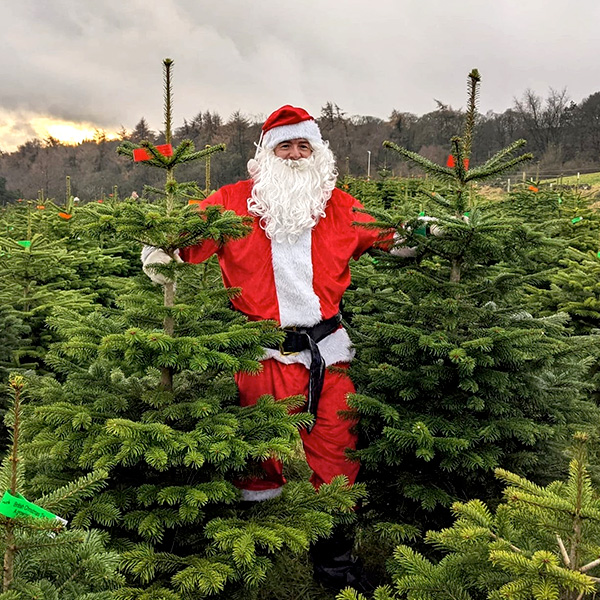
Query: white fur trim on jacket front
293, 273
309, 130
335, 348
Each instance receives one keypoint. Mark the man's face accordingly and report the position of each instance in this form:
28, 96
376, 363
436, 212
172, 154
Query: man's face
293, 149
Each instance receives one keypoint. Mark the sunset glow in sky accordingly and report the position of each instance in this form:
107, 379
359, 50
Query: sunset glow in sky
16, 128
66, 132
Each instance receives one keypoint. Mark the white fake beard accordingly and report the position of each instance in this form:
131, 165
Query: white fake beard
290, 196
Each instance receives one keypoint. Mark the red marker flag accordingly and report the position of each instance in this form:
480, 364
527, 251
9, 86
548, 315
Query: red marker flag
450, 162
140, 154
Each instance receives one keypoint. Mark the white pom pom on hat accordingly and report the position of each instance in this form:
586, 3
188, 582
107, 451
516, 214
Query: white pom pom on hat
289, 123
253, 167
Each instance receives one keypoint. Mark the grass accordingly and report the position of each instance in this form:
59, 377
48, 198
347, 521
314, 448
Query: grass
592, 179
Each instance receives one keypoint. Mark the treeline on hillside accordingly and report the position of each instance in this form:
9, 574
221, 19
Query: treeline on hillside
563, 135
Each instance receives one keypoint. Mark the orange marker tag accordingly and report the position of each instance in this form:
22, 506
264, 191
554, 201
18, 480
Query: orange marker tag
65, 216
193, 201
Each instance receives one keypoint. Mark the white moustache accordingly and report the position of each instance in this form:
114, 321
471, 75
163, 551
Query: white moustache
301, 164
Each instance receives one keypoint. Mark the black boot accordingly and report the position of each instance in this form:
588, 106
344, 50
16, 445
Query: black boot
335, 567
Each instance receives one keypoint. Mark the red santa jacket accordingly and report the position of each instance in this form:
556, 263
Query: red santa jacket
294, 284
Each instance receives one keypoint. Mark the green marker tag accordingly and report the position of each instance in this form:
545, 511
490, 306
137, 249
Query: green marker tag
576, 220
421, 230
559, 200
598, 255
24, 243
467, 214
17, 506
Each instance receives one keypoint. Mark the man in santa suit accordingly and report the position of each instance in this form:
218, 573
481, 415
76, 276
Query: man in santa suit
293, 268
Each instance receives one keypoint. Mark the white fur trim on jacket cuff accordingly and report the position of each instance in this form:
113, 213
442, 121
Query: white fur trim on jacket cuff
399, 250
260, 495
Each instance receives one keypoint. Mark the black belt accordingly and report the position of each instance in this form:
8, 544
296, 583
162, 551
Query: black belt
306, 338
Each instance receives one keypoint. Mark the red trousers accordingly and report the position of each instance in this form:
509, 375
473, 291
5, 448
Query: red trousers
328, 440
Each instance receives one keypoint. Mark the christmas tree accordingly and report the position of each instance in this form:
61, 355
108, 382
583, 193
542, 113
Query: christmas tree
36, 272
146, 392
43, 558
45, 263
539, 543
454, 377
565, 273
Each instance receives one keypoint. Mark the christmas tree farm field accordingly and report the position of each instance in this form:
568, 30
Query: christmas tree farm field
97, 403
476, 373
90, 400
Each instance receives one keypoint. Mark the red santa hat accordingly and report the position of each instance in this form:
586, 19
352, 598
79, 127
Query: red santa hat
289, 123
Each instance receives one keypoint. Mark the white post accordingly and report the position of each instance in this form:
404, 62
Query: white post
369, 166
508, 186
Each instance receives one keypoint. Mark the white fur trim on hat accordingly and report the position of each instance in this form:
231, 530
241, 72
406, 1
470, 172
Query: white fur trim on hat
309, 130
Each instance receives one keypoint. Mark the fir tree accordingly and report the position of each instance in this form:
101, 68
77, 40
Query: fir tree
540, 543
566, 272
44, 266
454, 377
13, 337
558, 213
147, 393
42, 558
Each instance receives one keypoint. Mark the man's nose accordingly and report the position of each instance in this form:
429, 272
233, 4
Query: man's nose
295, 153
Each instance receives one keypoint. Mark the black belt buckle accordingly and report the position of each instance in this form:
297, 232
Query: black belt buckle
282, 350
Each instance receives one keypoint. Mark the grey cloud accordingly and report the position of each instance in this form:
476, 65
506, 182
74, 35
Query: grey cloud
16, 132
101, 61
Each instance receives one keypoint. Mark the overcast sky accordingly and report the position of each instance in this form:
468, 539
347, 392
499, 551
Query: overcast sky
100, 61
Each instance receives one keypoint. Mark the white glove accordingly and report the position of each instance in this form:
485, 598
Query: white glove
407, 251
156, 256
435, 230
